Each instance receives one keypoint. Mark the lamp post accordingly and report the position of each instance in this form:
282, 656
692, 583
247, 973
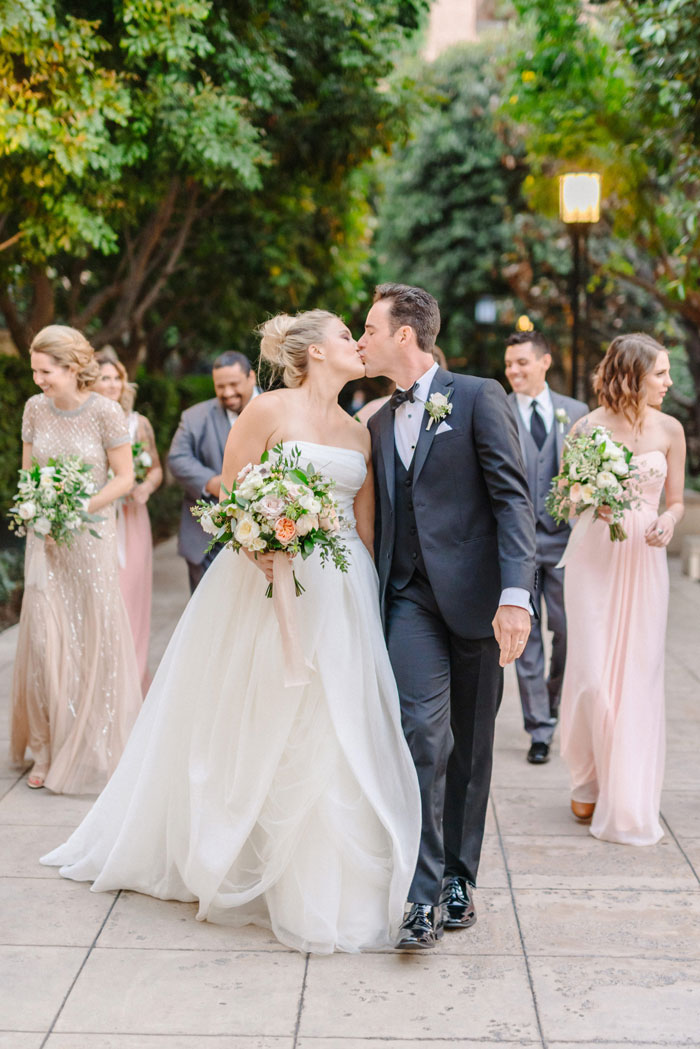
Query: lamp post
579, 207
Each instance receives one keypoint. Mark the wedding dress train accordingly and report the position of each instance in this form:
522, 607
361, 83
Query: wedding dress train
294, 808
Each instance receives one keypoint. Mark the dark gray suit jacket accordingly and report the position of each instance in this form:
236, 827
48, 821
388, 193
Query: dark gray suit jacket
196, 454
574, 409
473, 513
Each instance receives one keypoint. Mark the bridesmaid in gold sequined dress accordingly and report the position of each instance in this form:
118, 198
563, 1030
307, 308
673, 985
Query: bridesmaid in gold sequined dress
76, 691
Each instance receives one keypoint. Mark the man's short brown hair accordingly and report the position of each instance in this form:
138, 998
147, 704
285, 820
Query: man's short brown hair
414, 308
539, 342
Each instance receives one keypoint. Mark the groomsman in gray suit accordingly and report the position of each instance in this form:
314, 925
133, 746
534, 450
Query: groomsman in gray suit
196, 454
544, 418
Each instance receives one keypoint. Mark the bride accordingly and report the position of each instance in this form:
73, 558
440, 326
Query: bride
295, 808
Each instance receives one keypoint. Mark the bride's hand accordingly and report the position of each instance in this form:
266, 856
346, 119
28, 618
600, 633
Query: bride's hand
604, 513
263, 562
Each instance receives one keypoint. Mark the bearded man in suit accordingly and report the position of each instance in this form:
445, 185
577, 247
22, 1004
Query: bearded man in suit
196, 454
543, 418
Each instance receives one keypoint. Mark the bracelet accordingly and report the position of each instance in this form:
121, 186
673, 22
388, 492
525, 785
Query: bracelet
667, 513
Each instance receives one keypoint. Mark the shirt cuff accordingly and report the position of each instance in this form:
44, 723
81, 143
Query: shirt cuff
515, 595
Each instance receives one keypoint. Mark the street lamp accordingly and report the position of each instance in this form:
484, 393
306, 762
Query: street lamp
579, 207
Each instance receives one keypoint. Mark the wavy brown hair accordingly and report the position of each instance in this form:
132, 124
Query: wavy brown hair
619, 378
128, 395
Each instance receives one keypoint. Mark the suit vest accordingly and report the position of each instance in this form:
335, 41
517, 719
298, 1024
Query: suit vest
408, 557
542, 465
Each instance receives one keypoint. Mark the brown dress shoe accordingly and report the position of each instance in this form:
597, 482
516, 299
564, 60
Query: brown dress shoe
583, 810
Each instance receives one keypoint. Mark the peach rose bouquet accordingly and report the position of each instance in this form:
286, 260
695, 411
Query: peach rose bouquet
278, 505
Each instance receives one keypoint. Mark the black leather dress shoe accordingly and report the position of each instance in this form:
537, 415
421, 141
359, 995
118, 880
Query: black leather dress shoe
538, 754
420, 929
458, 910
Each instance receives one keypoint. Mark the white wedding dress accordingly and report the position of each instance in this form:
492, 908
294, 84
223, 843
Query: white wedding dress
293, 808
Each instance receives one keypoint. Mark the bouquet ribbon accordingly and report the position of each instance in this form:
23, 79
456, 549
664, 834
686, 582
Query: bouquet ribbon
283, 597
578, 533
37, 571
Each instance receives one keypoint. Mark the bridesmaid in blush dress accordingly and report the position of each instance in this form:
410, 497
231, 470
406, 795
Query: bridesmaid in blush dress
134, 538
616, 597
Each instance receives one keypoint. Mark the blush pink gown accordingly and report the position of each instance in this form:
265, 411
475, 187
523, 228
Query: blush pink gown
135, 550
612, 706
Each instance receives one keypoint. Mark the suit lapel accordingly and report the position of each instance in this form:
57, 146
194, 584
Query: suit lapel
521, 425
221, 425
442, 383
386, 445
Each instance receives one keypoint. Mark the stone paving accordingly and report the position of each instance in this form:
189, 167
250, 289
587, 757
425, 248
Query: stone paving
578, 942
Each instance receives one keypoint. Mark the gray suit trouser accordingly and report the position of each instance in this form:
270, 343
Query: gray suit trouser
540, 694
450, 689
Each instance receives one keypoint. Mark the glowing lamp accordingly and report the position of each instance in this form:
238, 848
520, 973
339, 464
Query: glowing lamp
579, 197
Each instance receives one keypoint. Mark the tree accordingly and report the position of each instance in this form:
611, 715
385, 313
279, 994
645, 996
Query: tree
138, 132
615, 86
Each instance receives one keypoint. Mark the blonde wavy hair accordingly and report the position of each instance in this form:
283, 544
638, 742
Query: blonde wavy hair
285, 341
68, 346
128, 395
619, 379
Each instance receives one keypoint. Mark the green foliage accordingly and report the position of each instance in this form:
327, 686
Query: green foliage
451, 195
17, 387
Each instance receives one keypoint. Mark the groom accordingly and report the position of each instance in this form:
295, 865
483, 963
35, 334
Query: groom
455, 552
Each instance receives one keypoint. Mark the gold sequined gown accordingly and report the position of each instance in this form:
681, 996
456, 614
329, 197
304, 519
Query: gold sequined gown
76, 690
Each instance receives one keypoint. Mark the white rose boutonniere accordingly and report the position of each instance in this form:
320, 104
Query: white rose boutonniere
562, 418
438, 407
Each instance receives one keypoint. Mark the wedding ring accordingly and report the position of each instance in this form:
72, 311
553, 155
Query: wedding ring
520, 642
659, 531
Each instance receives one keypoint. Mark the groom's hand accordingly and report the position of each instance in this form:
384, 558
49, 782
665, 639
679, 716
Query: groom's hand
511, 626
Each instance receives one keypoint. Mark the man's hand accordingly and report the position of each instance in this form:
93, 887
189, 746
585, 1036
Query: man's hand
511, 626
213, 486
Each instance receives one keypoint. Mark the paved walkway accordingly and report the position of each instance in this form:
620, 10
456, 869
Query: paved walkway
578, 943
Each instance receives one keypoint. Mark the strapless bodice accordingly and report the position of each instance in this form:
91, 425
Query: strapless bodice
650, 476
346, 466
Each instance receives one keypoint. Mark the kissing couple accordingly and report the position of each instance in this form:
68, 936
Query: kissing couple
346, 813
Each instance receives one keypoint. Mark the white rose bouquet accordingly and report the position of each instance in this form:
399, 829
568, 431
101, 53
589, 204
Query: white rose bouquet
596, 473
277, 506
142, 461
52, 500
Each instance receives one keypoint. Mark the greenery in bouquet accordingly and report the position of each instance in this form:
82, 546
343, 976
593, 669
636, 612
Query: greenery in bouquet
142, 461
596, 474
52, 500
278, 505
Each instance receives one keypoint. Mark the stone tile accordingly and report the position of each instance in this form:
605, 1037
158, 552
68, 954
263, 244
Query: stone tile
185, 993
391, 1043
683, 734
55, 913
34, 982
17, 1040
8, 782
582, 999
682, 770
21, 847
610, 924
691, 847
529, 811
511, 769
42, 808
143, 922
492, 870
538, 862
418, 998
681, 810
159, 1041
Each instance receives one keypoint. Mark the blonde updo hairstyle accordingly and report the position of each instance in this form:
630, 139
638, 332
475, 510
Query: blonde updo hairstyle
619, 379
285, 341
128, 395
67, 346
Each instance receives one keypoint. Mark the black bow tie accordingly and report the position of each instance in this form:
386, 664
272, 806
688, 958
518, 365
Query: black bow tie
399, 396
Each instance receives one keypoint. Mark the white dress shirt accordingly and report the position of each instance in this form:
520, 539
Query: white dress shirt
544, 406
407, 423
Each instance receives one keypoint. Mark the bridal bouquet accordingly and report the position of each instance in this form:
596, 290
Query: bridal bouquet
277, 506
52, 500
142, 461
596, 472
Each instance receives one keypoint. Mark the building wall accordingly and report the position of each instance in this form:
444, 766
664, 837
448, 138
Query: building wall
451, 22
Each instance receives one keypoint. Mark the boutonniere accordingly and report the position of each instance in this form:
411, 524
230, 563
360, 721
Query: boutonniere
437, 406
562, 418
